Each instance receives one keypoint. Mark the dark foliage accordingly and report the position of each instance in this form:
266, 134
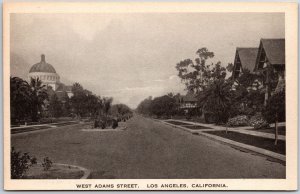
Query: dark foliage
275, 109
27, 99
20, 163
55, 107
47, 164
164, 105
216, 100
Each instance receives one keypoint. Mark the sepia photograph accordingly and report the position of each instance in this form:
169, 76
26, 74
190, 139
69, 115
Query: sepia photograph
127, 98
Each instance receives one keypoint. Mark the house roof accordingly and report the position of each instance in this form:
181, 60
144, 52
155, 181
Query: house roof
275, 50
189, 97
247, 57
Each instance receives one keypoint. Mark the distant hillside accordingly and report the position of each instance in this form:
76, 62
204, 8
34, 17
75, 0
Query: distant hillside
18, 66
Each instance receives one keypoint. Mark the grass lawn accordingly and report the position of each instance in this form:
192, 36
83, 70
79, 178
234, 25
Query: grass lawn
260, 142
197, 127
187, 125
55, 172
281, 130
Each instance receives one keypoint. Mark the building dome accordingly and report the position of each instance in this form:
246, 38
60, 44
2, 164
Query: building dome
45, 72
42, 66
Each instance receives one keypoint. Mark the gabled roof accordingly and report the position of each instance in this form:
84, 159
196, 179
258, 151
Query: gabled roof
189, 97
247, 57
275, 50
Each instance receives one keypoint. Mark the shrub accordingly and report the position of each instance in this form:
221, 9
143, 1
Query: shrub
47, 164
20, 163
209, 117
275, 109
103, 124
258, 122
96, 123
241, 120
114, 124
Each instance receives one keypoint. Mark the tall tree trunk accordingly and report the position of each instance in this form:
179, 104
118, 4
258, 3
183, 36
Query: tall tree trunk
268, 89
276, 130
34, 113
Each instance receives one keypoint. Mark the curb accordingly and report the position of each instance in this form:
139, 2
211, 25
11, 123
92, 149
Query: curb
85, 171
42, 130
233, 143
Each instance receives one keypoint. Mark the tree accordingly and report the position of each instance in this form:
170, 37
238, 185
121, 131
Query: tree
106, 105
216, 99
77, 89
206, 81
248, 95
38, 95
121, 111
275, 110
144, 106
198, 74
55, 106
229, 67
92, 104
19, 99
163, 105
66, 106
78, 99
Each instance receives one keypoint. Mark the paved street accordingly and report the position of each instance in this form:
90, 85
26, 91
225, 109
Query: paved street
146, 149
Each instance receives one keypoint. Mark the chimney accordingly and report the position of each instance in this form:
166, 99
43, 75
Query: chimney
43, 58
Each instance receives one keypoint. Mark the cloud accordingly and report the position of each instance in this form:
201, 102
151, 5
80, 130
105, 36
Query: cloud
172, 77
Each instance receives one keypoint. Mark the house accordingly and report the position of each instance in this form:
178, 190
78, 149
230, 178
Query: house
271, 56
188, 102
245, 58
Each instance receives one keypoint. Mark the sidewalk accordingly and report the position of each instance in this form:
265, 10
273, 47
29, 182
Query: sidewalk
29, 129
240, 130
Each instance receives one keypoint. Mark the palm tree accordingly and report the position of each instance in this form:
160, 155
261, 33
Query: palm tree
216, 99
77, 88
38, 95
19, 98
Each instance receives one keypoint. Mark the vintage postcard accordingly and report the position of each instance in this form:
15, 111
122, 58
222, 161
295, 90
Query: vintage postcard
150, 96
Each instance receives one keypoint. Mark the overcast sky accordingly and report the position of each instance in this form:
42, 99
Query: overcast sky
132, 56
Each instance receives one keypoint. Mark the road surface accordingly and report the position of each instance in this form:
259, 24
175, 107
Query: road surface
147, 149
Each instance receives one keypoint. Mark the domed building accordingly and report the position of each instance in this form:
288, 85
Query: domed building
45, 72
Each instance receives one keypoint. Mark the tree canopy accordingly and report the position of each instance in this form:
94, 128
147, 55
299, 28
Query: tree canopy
197, 75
